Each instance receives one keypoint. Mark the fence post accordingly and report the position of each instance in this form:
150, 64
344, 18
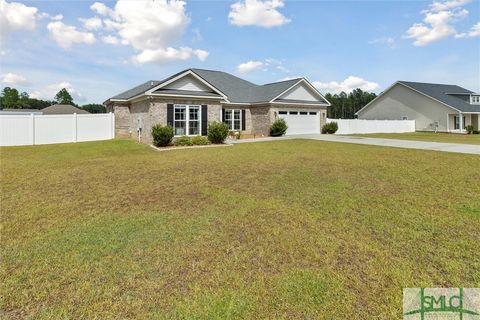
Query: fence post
32, 121
75, 127
112, 125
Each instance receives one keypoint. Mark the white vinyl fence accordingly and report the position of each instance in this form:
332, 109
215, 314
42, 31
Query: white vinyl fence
352, 126
30, 129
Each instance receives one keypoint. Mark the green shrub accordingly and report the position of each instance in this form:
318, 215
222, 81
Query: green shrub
200, 141
162, 135
476, 132
330, 128
217, 132
183, 141
469, 129
278, 128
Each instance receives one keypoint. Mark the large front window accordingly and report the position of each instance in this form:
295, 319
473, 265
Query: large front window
186, 120
233, 118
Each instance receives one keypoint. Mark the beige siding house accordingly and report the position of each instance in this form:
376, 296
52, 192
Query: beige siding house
434, 107
193, 98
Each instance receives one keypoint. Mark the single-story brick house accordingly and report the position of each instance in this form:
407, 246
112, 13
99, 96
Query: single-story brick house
193, 98
433, 106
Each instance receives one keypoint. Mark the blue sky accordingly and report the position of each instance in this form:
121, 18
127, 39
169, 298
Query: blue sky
337, 45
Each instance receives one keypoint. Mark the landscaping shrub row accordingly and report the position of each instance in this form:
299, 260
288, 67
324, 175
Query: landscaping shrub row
163, 136
218, 132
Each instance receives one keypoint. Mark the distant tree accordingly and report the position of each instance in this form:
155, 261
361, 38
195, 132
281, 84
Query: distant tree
94, 108
39, 104
344, 106
10, 98
63, 97
23, 101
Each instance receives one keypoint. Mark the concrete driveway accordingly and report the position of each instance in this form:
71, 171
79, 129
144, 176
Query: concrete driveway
408, 144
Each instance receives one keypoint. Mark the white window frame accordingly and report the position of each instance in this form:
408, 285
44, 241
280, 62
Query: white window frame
231, 125
187, 119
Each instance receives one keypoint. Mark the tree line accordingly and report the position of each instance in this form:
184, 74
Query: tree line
11, 98
344, 106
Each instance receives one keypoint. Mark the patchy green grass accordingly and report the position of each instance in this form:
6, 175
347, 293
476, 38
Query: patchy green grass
428, 136
274, 230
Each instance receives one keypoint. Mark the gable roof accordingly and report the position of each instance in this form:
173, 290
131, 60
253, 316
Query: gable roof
237, 90
63, 109
443, 93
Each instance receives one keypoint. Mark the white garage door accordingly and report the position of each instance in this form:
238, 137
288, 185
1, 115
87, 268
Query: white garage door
301, 122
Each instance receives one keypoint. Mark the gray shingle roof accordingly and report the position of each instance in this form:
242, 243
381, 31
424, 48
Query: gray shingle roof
135, 91
63, 109
236, 89
444, 93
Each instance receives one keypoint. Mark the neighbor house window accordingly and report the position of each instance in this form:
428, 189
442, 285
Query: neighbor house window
186, 120
233, 118
457, 122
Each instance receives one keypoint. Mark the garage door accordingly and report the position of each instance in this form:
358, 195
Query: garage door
301, 122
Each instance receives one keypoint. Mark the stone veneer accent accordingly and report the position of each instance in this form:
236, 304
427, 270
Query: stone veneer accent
261, 118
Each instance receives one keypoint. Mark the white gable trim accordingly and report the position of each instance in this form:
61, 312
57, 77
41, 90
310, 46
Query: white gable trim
398, 82
185, 96
300, 81
188, 72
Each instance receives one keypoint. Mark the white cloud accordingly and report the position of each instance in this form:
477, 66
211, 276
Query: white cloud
66, 35
474, 32
257, 13
346, 85
388, 41
101, 9
49, 92
289, 78
437, 22
153, 28
15, 16
13, 79
249, 66
447, 5
58, 17
109, 39
94, 23
169, 54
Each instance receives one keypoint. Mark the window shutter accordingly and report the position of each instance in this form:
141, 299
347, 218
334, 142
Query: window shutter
223, 115
204, 119
170, 114
243, 119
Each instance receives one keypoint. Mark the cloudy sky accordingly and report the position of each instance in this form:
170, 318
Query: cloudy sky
98, 49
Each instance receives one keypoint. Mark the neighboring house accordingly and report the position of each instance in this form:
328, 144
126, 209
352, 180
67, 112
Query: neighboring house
193, 98
63, 109
20, 111
434, 107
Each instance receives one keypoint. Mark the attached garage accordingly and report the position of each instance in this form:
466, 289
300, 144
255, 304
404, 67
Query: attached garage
301, 122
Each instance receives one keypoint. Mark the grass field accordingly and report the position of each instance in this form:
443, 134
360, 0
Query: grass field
275, 230
428, 136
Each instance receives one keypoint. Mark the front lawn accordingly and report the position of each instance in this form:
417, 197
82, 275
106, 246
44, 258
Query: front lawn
291, 229
428, 136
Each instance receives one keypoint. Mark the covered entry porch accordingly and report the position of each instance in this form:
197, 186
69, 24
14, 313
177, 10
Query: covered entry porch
457, 122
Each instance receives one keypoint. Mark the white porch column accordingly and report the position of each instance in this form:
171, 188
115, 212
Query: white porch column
460, 121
